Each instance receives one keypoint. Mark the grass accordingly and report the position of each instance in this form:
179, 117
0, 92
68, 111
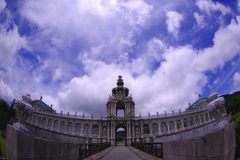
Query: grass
3, 146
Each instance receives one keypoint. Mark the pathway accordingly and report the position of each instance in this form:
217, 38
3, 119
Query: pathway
121, 153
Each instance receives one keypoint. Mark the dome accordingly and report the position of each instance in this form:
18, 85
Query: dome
120, 88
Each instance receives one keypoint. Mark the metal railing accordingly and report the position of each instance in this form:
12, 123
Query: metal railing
155, 149
88, 149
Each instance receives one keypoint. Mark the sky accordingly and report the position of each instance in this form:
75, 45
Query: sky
72, 52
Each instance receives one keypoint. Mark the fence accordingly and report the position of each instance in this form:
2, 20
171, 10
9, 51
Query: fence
88, 149
155, 149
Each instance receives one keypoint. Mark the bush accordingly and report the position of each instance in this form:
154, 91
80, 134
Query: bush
3, 134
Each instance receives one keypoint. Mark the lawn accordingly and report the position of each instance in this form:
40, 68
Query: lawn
3, 146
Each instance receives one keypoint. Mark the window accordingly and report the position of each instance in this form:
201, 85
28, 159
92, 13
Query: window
191, 121
197, 120
95, 130
172, 126
62, 126
44, 122
164, 127
145, 129
39, 121
69, 127
206, 116
49, 123
55, 125
154, 128
185, 123
179, 124
86, 129
77, 128
202, 118
34, 119
30, 119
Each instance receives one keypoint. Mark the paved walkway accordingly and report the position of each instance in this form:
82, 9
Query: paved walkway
122, 153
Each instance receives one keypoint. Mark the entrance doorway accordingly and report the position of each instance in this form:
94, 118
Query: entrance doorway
121, 136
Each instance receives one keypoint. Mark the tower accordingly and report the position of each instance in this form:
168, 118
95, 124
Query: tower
120, 100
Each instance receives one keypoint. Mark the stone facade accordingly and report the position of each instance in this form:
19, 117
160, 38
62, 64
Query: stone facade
138, 128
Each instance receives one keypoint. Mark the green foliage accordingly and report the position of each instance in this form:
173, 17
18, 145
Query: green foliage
3, 135
5, 113
120, 138
3, 146
236, 120
234, 105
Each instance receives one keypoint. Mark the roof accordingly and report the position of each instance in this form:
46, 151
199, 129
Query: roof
42, 104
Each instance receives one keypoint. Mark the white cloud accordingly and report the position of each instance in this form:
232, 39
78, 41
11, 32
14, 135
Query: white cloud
173, 22
236, 79
2, 5
57, 74
209, 6
200, 20
5, 92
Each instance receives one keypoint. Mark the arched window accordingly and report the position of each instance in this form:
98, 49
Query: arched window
86, 129
34, 120
44, 122
145, 129
164, 127
49, 123
39, 121
172, 126
191, 121
154, 128
197, 120
55, 125
179, 124
185, 123
95, 130
77, 128
69, 127
62, 126
202, 118
30, 119
206, 116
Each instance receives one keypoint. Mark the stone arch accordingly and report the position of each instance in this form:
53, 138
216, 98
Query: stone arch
197, 120
185, 122
49, 123
171, 126
179, 124
146, 129
191, 121
206, 117
120, 105
69, 127
164, 127
86, 129
55, 126
62, 126
34, 120
202, 118
77, 128
154, 128
95, 130
39, 121
44, 122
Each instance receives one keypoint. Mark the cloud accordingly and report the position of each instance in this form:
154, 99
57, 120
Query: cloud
200, 20
236, 79
173, 22
5, 91
57, 74
209, 6
2, 5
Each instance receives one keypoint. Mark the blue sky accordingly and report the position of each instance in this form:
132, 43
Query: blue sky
71, 52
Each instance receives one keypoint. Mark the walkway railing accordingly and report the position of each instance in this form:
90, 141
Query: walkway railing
88, 149
155, 149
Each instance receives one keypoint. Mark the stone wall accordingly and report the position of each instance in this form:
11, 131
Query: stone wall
55, 136
22, 146
218, 145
